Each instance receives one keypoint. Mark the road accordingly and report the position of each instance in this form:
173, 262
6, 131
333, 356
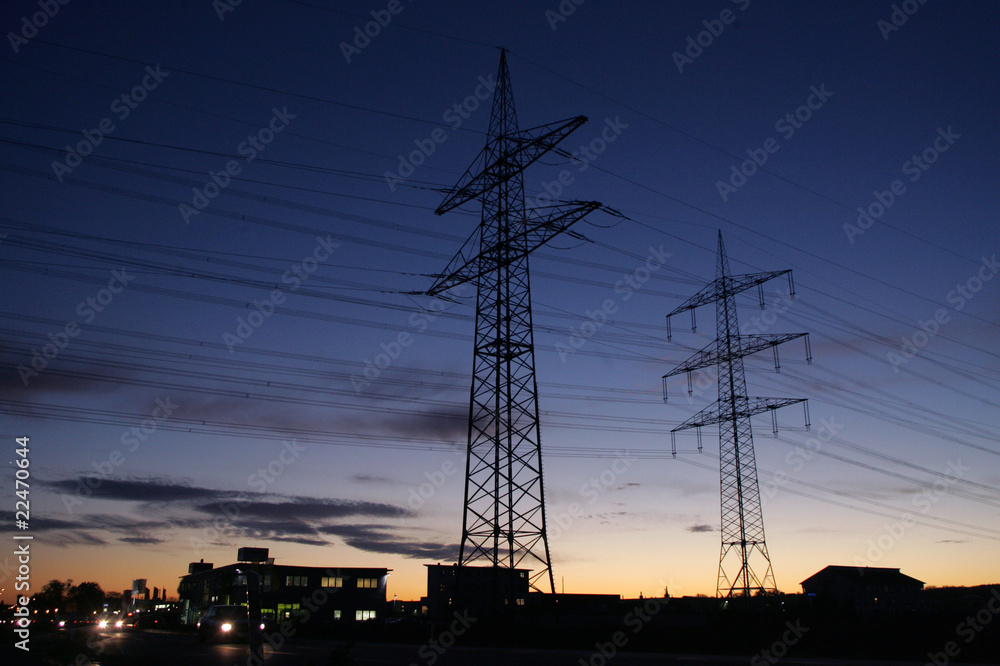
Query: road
154, 648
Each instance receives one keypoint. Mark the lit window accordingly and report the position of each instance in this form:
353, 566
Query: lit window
296, 581
332, 581
367, 583
364, 615
286, 611
336, 615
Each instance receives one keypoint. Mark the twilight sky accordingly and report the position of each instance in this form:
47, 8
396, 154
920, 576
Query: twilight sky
213, 216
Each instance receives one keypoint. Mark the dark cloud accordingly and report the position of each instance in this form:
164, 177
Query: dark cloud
135, 490
307, 508
701, 528
272, 528
226, 502
88, 380
247, 516
384, 539
374, 480
141, 540
302, 540
67, 538
449, 425
41, 522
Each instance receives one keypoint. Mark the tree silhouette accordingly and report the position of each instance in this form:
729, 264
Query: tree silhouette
88, 596
51, 596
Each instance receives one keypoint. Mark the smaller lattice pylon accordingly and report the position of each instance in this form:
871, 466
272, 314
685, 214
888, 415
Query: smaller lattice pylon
742, 519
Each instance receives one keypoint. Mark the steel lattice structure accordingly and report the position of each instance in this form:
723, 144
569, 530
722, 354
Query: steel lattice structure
504, 519
744, 563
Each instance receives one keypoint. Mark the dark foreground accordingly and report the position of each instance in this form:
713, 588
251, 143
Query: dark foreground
148, 648
152, 648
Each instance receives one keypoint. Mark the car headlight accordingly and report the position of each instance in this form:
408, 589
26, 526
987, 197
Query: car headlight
262, 626
226, 626
62, 623
103, 624
119, 624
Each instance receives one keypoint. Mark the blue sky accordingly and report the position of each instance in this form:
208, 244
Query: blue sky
214, 387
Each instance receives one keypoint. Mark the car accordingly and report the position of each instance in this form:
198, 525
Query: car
109, 622
225, 623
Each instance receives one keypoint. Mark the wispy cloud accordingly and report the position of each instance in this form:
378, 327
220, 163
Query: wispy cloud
386, 539
258, 517
700, 528
135, 490
141, 540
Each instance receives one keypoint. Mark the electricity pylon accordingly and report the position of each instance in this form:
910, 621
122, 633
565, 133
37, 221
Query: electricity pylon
744, 564
504, 519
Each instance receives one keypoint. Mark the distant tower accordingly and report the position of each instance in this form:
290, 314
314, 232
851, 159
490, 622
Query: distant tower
504, 520
744, 565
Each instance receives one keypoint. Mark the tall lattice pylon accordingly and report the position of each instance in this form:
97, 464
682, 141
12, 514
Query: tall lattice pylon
504, 520
744, 564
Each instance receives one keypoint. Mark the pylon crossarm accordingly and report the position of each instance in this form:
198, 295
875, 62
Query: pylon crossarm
708, 416
520, 150
535, 142
705, 296
455, 196
751, 344
739, 283
536, 231
761, 405
706, 357
547, 222
712, 415
459, 269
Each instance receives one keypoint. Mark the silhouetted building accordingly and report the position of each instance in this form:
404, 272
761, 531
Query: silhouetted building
866, 590
479, 590
198, 567
327, 594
